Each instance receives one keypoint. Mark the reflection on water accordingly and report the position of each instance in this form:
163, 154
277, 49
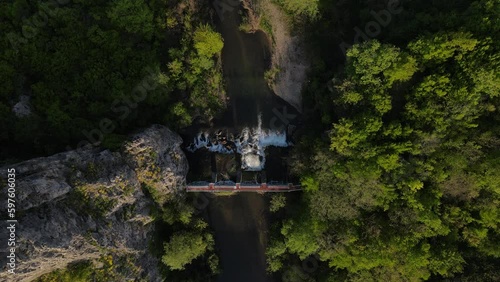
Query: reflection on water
241, 236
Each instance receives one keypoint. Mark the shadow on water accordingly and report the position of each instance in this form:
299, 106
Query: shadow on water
240, 228
246, 57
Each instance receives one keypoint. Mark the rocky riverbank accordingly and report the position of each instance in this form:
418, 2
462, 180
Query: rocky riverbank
289, 57
290, 61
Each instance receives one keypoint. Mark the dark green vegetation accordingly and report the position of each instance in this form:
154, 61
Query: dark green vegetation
106, 268
404, 184
185, 244
400, 160
303, 9
94, 70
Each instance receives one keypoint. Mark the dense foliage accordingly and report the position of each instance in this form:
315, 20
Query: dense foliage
108, 267
304, 9
405, 185
184, 244
401, 156
92, 70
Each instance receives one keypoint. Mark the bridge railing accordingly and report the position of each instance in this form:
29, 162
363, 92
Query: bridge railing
223, 186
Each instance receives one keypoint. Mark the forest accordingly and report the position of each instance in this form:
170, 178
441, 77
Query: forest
400, 152
95, 71
97, 64
402, 179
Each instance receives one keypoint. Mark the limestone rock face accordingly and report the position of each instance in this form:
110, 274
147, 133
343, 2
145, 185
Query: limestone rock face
162, 170
85, 203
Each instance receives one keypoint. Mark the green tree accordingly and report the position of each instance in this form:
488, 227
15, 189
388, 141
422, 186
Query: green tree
207, 42
278, 201
184, 247
132, 16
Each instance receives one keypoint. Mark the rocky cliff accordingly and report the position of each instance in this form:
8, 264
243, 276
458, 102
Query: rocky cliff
84, 204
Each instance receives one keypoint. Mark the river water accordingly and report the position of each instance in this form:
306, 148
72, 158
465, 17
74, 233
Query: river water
256, 118
241, 234
254, 124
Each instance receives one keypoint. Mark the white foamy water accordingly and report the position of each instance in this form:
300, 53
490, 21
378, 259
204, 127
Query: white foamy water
251, 143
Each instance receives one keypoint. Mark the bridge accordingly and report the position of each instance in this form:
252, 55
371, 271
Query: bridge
230, 186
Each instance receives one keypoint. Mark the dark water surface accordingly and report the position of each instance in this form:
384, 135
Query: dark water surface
239, 221
240, 228
245, 58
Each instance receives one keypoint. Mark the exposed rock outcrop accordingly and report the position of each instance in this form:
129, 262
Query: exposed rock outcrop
23, 107
289, 57
78, 205
290, 63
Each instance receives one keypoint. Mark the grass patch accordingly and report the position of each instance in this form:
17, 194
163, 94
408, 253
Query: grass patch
158, 197
270, 76
95, 203
266, 26
109, 267
76, 272
245, 27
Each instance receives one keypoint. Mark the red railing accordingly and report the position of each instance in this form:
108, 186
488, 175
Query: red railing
238, 187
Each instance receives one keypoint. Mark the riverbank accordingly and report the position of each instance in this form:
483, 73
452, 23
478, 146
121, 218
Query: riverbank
289, 60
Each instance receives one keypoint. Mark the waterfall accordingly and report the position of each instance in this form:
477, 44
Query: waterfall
250, 143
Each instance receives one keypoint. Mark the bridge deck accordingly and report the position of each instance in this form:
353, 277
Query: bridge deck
238, 187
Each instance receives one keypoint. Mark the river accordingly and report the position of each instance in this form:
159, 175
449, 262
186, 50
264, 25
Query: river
240, 221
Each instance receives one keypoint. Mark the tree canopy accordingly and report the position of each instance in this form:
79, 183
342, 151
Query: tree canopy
404, 186
131, 63
183, 248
